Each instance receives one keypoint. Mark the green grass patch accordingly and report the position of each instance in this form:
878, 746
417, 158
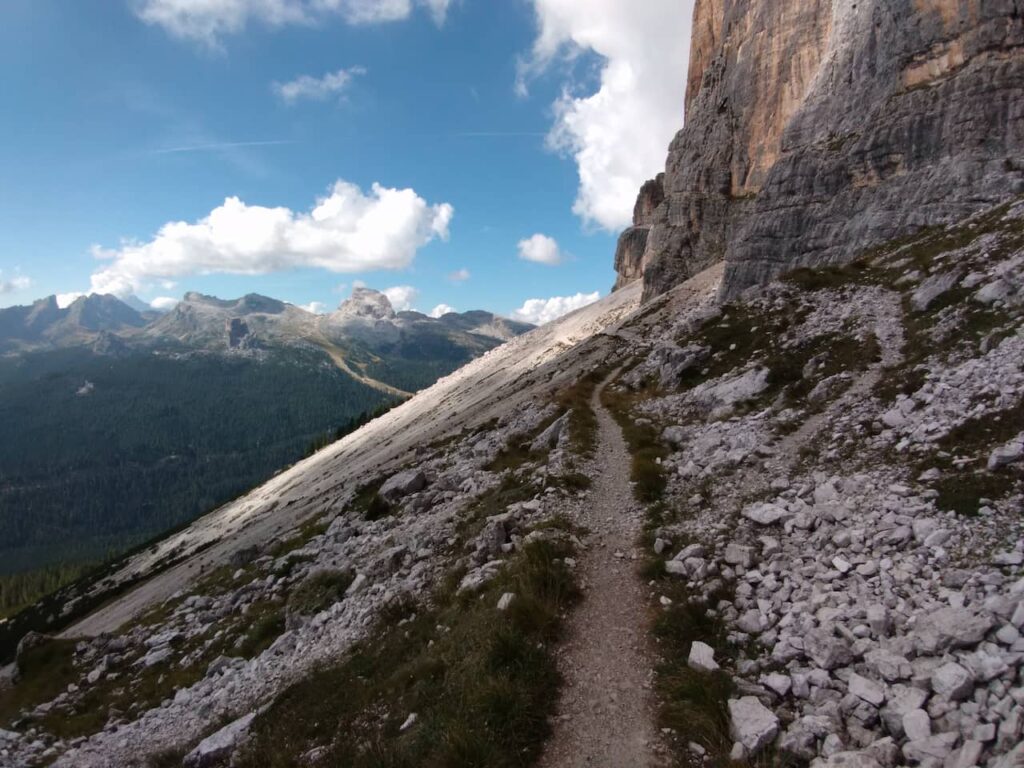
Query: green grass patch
576, 399
962, 489
369, 503
694, 705
645, 446
319, 592
574, 482
515, 457
44, 672
483, 687
266, 623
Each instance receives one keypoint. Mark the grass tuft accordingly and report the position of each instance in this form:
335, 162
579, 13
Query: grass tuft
319, 592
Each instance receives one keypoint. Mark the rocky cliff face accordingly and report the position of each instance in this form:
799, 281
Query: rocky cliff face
818, 128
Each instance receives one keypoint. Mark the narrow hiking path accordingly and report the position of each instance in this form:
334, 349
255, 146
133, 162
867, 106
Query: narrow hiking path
606, 713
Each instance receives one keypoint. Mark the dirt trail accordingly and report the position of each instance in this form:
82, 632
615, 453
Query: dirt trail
606, 714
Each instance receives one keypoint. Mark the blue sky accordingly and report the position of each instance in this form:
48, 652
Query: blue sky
496, 130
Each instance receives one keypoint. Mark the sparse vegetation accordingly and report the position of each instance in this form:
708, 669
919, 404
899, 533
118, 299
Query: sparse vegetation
964, 485
319, 592
646, 448
582, 419
481, 683
370, 503
266, 624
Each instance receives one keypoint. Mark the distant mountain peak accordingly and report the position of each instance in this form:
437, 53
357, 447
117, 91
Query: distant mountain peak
365, 303
251, 303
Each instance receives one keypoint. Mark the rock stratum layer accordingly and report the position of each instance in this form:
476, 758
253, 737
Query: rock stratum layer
818, 128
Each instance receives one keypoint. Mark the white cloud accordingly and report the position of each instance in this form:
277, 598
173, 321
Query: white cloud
346, 231
541, 249
14, 284
459, 276
541, 311
163, 303
441, 310
316, 307
317, 88
65, 300
402, 297
618, 135
207, 21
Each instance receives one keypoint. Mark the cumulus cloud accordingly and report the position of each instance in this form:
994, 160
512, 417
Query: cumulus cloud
459, 276
208, 21
163, 303
333, 84
13, 284
441, 310
541, 311
316, 307
65, 300
619, 134
402, 297
346, 231
541, 249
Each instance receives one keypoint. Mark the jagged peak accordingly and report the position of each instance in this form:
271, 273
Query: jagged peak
365, 303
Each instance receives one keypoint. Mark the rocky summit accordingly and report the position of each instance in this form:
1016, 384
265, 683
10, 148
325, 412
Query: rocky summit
763, 505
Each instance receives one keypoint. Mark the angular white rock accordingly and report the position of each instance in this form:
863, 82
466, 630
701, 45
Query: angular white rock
702, 657
752, 724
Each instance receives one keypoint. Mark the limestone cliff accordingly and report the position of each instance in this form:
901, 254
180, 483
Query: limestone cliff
817, 128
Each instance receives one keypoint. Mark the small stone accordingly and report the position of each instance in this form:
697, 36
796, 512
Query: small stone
842, 565
1007, 454
826, 650
879, 620
754, 726
702, 657
868, 690
952, 682
847, 760
930, 751
765, 513
505, 601
410, 721
777, 682
917, 724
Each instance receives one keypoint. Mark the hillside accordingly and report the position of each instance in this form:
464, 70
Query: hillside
827, 517
763, 505
122, 426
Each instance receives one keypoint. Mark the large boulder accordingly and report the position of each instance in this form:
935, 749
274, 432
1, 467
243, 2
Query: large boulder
951, 628
403, 484
218, 748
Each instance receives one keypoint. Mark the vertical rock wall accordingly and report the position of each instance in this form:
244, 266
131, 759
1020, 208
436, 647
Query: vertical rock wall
817, 128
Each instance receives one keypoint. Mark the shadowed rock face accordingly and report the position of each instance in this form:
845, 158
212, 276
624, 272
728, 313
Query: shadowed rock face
818, 128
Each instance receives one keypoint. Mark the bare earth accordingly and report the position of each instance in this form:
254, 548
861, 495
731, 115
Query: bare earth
606, 715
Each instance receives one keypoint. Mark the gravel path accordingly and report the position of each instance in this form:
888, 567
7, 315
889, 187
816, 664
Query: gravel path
606, 715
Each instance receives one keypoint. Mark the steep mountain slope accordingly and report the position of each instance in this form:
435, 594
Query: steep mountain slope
817, 128
830, 476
